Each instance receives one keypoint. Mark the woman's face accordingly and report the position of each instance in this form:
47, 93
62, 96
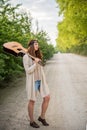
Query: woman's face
36, 46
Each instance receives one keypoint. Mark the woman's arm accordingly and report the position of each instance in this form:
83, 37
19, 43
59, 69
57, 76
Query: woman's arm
28, 69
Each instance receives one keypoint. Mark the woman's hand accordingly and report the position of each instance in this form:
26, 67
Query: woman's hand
37, 60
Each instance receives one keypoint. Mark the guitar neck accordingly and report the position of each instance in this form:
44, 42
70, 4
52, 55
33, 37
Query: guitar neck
31, 56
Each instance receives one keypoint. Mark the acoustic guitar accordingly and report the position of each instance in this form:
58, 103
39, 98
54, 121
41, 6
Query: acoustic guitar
17, 49
14, 48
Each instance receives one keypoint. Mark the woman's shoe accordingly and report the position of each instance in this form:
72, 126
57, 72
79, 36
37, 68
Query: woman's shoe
43, 121
34, 124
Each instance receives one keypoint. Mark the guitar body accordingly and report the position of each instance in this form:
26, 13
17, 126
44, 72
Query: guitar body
14, 48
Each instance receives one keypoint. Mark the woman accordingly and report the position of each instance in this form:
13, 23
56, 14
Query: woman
35, 81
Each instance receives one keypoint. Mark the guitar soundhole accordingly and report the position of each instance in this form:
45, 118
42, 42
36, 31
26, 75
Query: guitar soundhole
19, 49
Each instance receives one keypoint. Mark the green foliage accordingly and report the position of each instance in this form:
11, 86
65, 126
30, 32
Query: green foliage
15, 26
73, 29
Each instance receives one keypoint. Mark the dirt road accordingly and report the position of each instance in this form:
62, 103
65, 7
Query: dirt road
67, 79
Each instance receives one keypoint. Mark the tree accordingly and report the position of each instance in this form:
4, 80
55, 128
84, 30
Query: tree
17, 26
72, 30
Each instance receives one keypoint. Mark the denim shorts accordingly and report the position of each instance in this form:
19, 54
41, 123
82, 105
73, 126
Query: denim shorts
37, 85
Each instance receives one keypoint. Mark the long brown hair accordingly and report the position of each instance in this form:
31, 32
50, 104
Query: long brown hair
31, 50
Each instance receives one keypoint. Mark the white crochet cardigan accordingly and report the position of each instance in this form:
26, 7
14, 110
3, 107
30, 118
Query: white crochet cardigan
30, 82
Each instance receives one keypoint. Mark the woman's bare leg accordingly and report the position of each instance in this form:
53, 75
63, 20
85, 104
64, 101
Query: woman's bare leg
44, 106
31, 110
